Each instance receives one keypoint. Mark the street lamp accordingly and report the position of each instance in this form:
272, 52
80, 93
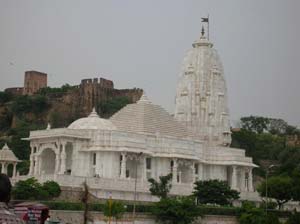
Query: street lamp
135, 183
267, 173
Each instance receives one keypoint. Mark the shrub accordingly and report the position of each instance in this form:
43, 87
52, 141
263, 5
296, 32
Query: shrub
113, 209
214, 192
179, 210
52, 188
31, 189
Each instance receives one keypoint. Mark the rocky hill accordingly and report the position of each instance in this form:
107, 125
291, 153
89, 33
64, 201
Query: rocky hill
58, 106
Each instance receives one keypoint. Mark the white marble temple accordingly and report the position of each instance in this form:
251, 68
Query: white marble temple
142, 140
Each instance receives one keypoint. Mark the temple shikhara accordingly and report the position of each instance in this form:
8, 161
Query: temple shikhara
143, 140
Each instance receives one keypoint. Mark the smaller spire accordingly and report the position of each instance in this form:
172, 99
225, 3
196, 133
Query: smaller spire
94, 113
5, 147
144, 99
48, 126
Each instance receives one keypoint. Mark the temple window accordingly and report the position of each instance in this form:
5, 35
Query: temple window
148, 163
196, 168
94, 158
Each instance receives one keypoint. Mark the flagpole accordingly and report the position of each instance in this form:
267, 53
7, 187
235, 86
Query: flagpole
208, 26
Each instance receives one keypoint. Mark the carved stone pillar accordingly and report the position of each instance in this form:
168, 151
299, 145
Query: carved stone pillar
200, 171
243, 186
145, 168
39, 164
123, 166
234, 178
63, 159
14, 170
250, 180
34, 157
57, 161
193, 171
31, 167
36, 165
4, 168
174, 171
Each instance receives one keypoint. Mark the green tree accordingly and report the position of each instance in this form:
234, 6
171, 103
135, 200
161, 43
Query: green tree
23, 167
296, 184
279, 188
113, 105
5, 97
214, 192
179, 210
255, 124
26, 189
114, 209
162, 187
31, 189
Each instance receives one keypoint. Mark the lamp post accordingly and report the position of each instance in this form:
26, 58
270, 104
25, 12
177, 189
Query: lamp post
267, 173
135, 183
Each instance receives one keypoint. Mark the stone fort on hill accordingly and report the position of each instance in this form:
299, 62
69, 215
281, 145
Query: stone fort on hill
81, 99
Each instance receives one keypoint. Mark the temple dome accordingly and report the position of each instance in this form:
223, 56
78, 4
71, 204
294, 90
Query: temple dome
7, 155
93, 121
147, 118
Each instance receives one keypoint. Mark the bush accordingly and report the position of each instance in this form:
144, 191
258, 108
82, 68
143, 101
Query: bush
179, 210
52, 188
214, 192
55, 90
250, 214
25, 104
114, 209
26, 190
31, 189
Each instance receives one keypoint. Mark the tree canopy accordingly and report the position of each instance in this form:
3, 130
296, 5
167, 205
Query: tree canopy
176, 210
31, 189
214, 192
162, 187
279, 188
250, 214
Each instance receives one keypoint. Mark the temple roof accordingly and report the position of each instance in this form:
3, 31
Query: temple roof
145, 117
7, 155
93, 121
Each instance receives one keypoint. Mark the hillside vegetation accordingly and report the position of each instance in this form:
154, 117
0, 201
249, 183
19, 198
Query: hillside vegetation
21, 114
267, 141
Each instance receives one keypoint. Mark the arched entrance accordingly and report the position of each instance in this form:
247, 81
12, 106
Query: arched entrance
10, 170
47, 161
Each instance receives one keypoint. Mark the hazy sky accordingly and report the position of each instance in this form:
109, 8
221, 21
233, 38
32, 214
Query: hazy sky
141, 44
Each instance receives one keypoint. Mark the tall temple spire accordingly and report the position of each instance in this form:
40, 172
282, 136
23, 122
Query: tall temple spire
201, 97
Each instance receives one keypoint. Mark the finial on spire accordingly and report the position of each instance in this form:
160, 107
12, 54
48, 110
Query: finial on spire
5, 147
94, 113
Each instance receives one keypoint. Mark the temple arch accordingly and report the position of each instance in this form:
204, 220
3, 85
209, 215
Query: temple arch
47, 161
